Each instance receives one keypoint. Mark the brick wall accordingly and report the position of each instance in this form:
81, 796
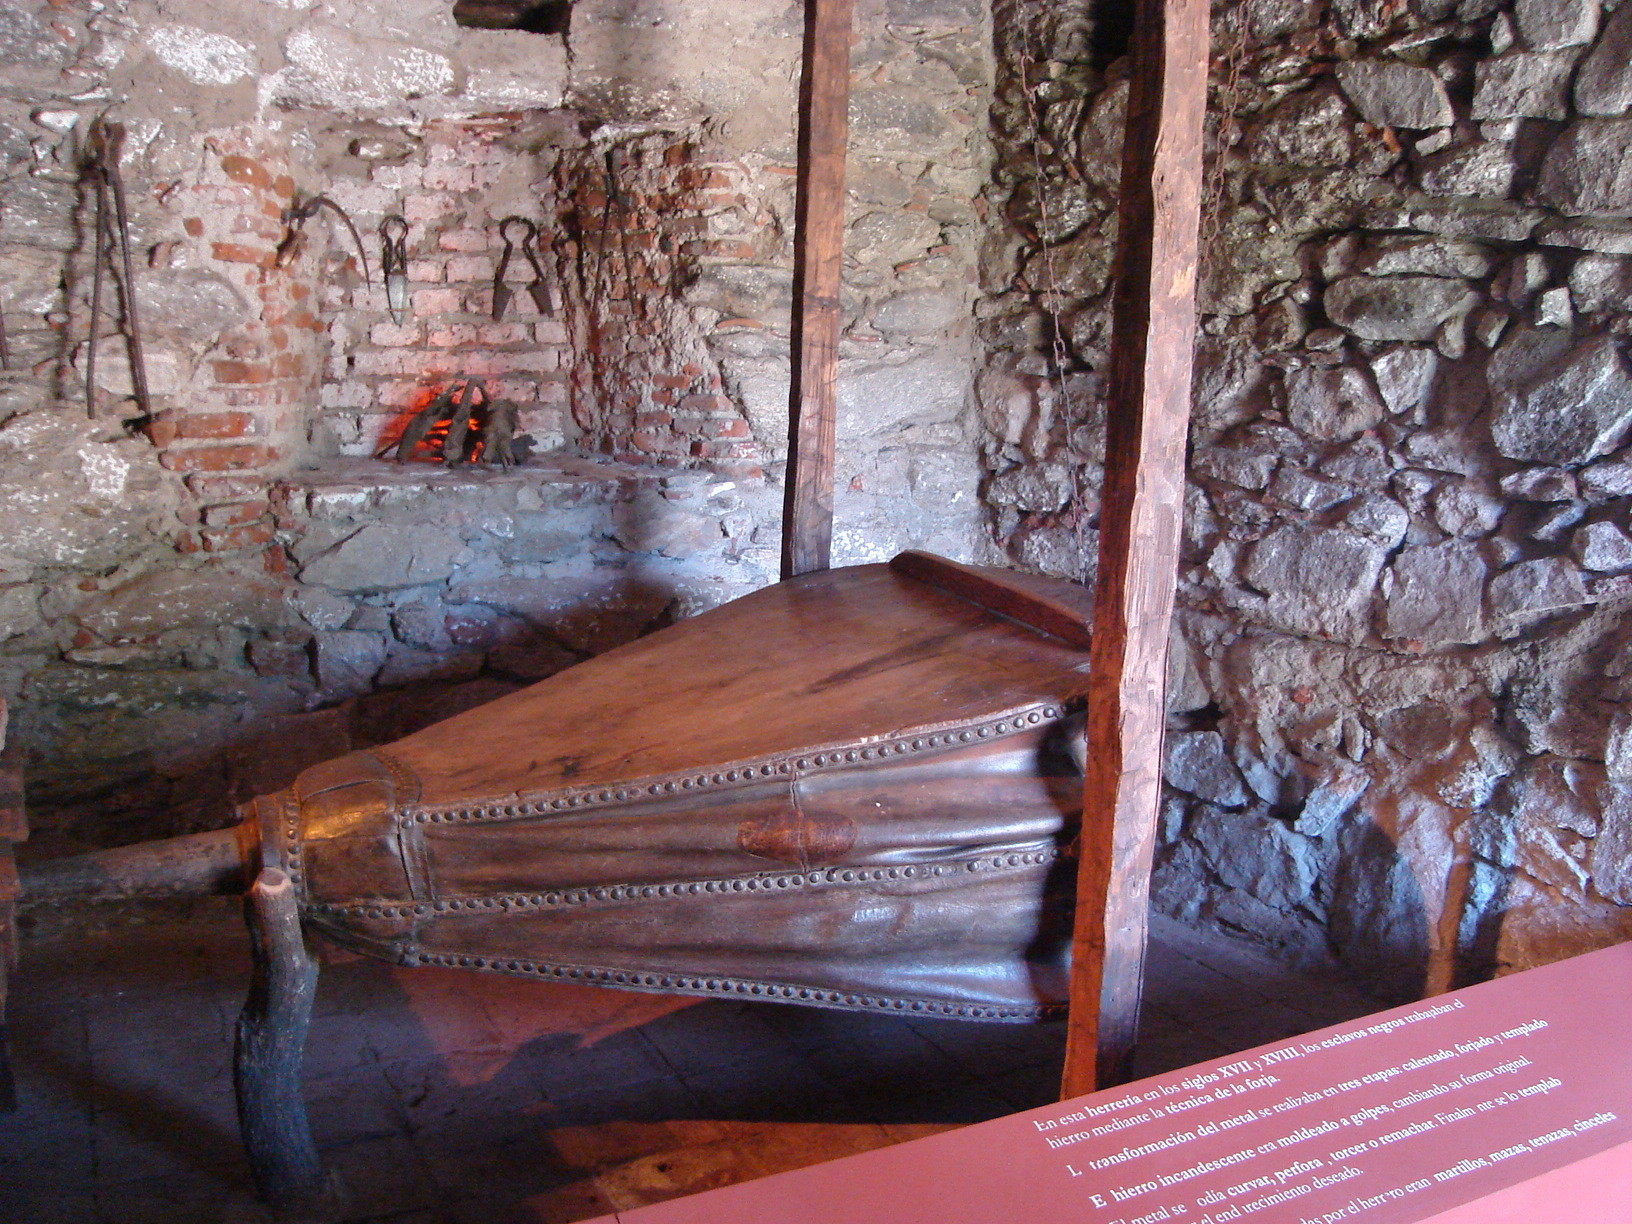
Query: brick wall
638, 220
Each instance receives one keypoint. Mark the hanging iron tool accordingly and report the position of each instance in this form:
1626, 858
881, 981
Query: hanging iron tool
539, 290
394, 265
105, 143
295, 217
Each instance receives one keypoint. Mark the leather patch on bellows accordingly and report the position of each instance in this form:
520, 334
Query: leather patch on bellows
789, 836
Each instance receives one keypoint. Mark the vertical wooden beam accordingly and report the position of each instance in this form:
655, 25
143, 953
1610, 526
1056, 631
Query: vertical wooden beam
1142, 502
807, 521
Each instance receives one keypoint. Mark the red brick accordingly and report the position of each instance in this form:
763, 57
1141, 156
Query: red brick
228, 538
504, 333
242, 372
468, 240
431, 206
213, 424
726, 429
275, 561
187, 543
438, 301
232, 252
458, 335
521, 390
391, 335
284, 186
477, 268
289, 365
426, 271
707, 403
194, 226
233, 514
225, 488
219, 458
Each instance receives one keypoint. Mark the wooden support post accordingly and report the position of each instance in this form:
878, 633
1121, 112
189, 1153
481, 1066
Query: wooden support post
270, 1047
1142, 503
807, 516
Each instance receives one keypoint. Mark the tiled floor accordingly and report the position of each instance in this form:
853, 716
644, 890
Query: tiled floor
442, 1096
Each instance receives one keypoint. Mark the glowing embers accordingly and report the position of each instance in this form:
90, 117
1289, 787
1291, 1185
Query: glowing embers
463, 424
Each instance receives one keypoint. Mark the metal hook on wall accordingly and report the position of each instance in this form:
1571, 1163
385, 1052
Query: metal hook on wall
394, 265
295, 217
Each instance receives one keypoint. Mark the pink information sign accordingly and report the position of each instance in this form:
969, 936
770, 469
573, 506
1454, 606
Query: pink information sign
1493, 1095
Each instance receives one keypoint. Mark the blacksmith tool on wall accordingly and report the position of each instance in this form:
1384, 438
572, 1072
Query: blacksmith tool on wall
295, 217
539, 289
104, 143
394, 265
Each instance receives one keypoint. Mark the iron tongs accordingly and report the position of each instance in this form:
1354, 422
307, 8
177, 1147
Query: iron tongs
540, 288
394, 265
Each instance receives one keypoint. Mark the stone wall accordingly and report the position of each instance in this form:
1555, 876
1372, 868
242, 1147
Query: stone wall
191, 610
1399, 711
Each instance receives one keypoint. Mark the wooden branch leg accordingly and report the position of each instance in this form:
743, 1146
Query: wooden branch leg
271, 1043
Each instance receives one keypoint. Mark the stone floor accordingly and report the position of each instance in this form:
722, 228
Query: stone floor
447, 1098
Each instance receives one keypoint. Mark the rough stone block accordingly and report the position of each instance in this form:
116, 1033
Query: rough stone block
1258, 855
1601, 283
1332, 405
1612, 851
340, 70
1390, 93
1546, 24
347, 661
1435, 595
1524, 84
200, 56
1485, 170
1404, 376
1572, 410
1317, 581
383, 556
1586, 171
1396, 307
1533, 589
1603, 85
1198, 764
1603, 548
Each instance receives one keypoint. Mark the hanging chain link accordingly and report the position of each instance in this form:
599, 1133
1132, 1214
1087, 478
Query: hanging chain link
1227, 65
1051, 297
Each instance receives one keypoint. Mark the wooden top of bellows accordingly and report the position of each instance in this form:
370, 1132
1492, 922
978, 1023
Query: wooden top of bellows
838, 657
